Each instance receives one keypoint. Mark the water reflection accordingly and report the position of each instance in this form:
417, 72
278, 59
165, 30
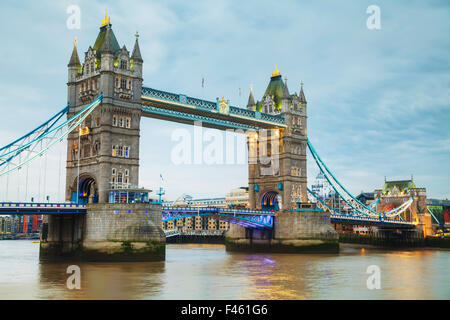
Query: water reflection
209, 272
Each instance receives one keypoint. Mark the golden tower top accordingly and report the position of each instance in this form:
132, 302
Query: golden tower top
106, 20
275, 72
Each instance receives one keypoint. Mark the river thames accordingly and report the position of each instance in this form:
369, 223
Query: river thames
196, 271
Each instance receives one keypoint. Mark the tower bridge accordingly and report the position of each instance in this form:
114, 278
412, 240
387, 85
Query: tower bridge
106, 103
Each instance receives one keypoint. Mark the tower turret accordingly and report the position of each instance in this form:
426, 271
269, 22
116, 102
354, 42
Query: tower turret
74, 68
251, 105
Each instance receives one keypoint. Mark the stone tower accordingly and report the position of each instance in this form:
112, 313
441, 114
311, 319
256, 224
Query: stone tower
277, 158
104, 153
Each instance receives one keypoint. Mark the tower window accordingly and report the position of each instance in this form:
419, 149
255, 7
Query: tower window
114, 122
117, 82
120, 151
97, 121
113, 171
128, 122
123, 83
126, 150
127, 172
123, 64
114, 150
121, 123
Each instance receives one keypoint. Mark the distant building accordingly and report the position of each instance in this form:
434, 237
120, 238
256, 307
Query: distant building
20, 224
395, 192
366, 197
321, 187
236, 198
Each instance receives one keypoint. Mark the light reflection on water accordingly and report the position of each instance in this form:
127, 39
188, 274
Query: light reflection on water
195, 271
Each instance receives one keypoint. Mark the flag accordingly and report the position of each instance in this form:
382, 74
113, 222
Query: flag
203, 82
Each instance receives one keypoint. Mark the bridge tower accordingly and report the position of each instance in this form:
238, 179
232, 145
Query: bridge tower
104, 153
277, 158
278, 181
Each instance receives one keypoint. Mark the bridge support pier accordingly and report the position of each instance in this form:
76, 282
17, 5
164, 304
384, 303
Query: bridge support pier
293, 232
61, 236
108, 232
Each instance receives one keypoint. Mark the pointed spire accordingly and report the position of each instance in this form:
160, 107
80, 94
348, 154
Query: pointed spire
136, 56
107, 45
302, 94
286, 94
74, 59
251, 100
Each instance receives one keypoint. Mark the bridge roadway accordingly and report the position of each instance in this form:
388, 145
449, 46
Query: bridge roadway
247, 218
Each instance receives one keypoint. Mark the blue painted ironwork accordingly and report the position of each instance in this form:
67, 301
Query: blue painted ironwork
33, 208
381, 222
29, 142
185, 104
321, 164
248, 218
191, 117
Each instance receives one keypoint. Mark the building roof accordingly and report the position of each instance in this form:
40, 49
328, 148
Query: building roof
106, 42
275, 88
367, 195
401, 185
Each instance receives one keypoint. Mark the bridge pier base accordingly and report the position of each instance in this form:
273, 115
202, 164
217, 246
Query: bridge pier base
293, 232
108, 232
61, 236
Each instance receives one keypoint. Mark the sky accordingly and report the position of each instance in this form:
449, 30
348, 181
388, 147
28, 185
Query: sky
378, 100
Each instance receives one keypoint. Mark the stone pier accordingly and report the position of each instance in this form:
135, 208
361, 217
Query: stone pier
293, 232
109, 232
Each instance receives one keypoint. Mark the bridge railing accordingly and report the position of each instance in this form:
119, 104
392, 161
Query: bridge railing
39, 205
210, 105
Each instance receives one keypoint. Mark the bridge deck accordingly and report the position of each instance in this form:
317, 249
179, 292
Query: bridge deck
30, 208
247, 218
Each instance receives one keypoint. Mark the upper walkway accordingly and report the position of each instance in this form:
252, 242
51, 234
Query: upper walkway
220, 115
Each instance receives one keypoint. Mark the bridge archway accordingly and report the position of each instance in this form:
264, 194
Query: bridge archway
271, 201
87, 190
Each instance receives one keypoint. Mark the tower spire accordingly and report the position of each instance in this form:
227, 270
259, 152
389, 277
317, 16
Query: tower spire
251, 105
302, 94
136, 55
285, 89
74, 59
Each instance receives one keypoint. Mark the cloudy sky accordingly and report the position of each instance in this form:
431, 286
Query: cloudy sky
378, 100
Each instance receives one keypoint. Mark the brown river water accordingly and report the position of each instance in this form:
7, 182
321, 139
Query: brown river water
201, 271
